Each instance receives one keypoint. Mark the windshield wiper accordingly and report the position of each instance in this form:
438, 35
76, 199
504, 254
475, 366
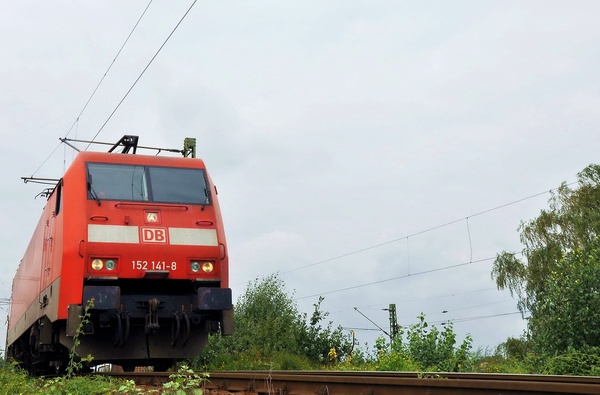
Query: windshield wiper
93, 193
206, 198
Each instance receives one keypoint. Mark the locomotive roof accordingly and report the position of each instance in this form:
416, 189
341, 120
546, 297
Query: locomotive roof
150, 160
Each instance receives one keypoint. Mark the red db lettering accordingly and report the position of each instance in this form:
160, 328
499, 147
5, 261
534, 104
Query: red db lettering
154, 235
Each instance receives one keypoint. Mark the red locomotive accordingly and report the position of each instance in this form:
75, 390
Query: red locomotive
141, 236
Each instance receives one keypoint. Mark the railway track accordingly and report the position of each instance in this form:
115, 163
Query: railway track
378, 383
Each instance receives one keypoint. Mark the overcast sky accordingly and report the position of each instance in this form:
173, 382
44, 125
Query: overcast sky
329, 127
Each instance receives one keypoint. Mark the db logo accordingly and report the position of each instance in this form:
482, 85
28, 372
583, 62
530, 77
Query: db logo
154, 235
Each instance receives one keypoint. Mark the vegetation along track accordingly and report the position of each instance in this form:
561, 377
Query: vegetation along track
379, 383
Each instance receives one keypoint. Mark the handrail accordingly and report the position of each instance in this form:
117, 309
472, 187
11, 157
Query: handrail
152, 205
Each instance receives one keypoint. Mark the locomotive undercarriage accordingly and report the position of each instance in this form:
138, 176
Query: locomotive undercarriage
39, 350
129, 327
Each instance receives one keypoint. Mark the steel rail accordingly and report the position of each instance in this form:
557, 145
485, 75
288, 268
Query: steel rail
380, 383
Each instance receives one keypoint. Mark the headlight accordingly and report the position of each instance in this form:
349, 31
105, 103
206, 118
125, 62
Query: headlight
97, 264
207, 267
104, 264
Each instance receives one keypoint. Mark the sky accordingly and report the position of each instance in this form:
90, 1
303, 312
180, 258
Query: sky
366, 151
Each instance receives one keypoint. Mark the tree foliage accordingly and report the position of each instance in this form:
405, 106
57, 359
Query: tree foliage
567, 315
514, 348
266, 318
557, 282
270, 332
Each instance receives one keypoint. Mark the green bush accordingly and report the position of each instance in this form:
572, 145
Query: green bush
425, 349
499, 364
270, 333
579, 363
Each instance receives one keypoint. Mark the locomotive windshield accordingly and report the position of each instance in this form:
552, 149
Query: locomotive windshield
137, 183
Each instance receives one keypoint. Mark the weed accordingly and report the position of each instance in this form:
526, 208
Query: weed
185, 381
75, 362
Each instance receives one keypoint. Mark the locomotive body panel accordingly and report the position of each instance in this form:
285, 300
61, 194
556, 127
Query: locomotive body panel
142, 236
34, 293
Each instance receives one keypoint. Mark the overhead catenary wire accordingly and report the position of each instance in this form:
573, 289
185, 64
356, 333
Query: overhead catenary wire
142, 73
466, 219
480, 305
446, 311
459, 320
45, 160
109, 67
95, 89
130, 88
470, 241
422, 231
471, 261
479, 317
379, 306
397, 278
416, 234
